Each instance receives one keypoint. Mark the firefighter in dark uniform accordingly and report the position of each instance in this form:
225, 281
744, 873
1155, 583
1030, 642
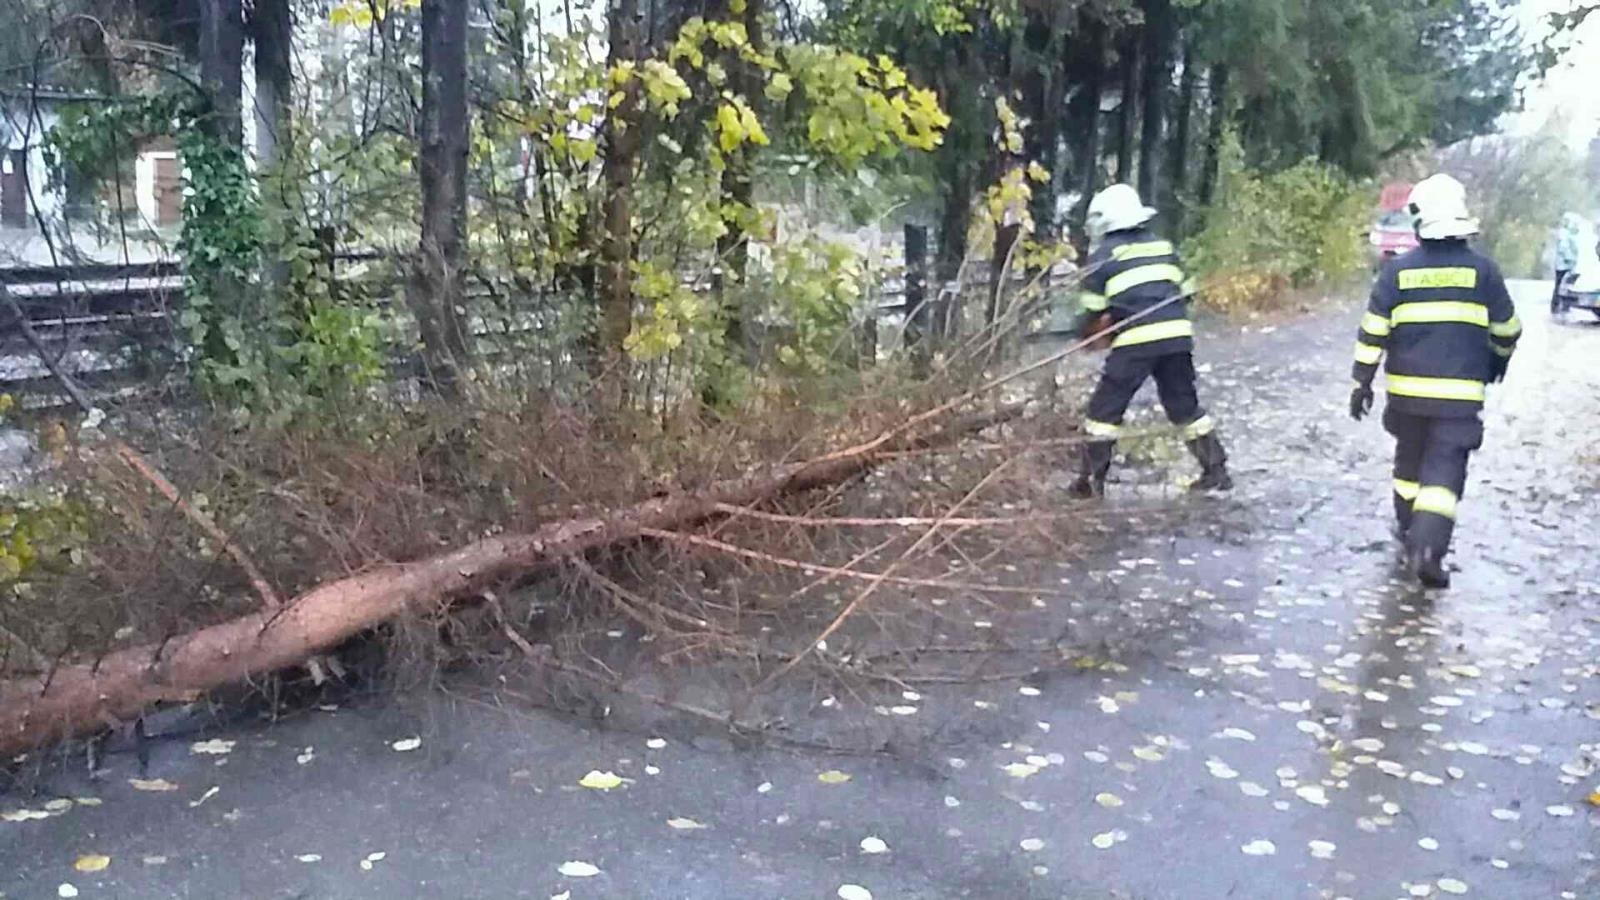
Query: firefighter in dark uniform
1134, 274
1442, 322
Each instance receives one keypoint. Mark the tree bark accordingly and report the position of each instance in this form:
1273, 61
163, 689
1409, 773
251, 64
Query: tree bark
222, 68
1218, 84
1088, 117
1177, 183
738, 189
437, 290
622, 148
84, 698
272, 31
1127, 110
1048, 78
1156, 57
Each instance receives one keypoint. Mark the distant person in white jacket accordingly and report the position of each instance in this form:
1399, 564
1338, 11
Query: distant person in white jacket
1568, 236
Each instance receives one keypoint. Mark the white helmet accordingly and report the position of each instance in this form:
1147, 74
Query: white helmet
1439, 207
1117, 208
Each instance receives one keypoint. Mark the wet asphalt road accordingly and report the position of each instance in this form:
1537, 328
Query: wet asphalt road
1320, 730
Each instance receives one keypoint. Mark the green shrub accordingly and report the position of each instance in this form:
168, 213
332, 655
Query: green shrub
1268, 232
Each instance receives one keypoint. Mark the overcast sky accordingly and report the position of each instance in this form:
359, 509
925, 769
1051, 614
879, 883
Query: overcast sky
1568, 94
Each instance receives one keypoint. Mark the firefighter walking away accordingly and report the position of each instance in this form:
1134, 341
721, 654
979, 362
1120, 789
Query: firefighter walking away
1442, 323
1134, 281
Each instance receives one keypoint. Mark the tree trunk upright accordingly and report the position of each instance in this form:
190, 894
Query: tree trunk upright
738, 188
222, 68
1156, 57
436, 292
1177, 183
1127, 109
1049, 89
1087, 115
1218, 85
272, 31
622, 146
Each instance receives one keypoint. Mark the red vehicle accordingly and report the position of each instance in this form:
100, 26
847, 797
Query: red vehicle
1393, 233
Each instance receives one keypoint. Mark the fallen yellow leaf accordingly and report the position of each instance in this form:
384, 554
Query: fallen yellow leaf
1594, 799
92, 863
833, 776
682, 824
152, 784
601, 781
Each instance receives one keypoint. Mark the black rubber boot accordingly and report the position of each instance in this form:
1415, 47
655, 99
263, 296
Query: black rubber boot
1094, 461
1213, 459
1427, 565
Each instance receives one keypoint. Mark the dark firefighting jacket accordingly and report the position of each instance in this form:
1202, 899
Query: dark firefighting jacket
1442, 322
1129, 273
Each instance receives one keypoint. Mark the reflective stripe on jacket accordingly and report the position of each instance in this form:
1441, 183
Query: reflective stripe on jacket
1438, 318
1130, 272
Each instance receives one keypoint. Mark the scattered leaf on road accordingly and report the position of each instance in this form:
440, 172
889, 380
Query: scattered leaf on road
1452, 886
1032, 845
1259, 847
309, 858
92, 863
1108, 800
601, 781
212, 748
66, 890
406, 745
682, 824
210, 792
578, 869
854, 892
1020, 770
874, 844
158, 785
655, 743
1322, 849
833, 776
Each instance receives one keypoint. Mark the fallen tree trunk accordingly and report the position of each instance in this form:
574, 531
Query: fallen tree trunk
83, 698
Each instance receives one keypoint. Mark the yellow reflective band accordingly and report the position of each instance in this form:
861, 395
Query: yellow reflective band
1420, 279
1408, 490
1368, 355
1101, 429
1437, 500
1199, 428
1160, 331
1436, 388
1143, 251
1509, 328
1440, 311
1375, 325
1094, 302
1143, 275
1504, 352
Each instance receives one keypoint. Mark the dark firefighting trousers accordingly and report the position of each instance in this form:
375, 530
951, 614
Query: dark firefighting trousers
1120, 381
1430, 474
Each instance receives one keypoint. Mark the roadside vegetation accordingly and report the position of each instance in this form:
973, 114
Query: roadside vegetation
474, 269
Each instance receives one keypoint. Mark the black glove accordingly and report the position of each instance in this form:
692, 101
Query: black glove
1497, 374
1360, 402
